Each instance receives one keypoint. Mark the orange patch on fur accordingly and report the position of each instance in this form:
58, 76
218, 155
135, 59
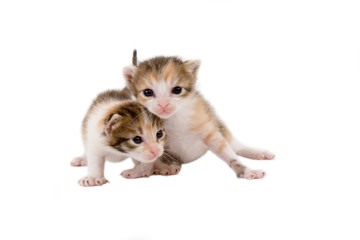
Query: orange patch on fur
153, 76
169, 71
142, 100
209, 136
222, 146
201, 120
227, 134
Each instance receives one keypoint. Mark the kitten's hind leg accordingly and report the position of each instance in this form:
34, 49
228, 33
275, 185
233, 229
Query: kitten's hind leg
241, 149
139, 170
167, 164
218, 145
79, 161
249, 152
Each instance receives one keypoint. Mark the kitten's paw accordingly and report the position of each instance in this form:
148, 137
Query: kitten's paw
254, 174
256, 154
79, 162
266, 155
136, 173
92, 181
167, 170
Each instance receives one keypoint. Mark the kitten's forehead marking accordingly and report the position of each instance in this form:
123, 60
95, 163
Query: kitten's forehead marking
147, 125
168, 73
153, 78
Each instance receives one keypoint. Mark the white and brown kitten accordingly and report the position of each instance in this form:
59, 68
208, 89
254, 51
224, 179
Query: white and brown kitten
166, 87
114, 128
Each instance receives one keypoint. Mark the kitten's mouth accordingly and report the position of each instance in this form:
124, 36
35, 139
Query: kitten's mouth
164, 113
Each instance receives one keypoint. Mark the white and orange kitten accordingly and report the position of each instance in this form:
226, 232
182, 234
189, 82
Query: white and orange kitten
166, 87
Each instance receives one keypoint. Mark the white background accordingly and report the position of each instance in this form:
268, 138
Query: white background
284, 75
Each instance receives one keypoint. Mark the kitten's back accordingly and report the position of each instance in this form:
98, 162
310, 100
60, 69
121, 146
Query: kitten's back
117, 95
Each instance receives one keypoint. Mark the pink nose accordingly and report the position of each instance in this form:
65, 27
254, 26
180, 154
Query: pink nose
155, 151
163, 105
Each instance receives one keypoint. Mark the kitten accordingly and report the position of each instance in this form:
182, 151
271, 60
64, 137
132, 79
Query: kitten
166, 87
114, 128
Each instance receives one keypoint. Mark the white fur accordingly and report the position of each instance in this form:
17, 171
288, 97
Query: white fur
189, 145
182, 141
96, 151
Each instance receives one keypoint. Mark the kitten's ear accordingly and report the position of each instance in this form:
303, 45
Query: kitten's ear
129, 73
134, 58
112, 123
192, 66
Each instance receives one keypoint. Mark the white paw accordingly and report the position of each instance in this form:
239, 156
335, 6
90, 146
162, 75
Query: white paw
136, 173
92, 181
167, 170
78, 162
255, 154
254, 174
265, 155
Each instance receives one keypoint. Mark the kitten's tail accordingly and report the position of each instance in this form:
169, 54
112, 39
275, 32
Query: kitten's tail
134, 58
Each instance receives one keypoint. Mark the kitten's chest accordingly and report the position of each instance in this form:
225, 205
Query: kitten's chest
182, 141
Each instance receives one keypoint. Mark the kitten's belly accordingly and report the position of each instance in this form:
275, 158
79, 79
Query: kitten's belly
187, 145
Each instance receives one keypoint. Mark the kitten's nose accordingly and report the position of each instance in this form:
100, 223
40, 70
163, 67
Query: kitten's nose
155, 151
163, 103
163, 106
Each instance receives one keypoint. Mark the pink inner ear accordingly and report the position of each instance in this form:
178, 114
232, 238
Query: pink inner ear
193, 66
128, 73
110, 126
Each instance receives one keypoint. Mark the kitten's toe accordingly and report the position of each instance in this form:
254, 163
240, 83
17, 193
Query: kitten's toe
254, 174
256, 154
167, 170
92, 181
78, 162
265, 155
133, 173
269, 156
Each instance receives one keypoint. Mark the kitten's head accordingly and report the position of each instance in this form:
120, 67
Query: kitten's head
162, 84
136, 132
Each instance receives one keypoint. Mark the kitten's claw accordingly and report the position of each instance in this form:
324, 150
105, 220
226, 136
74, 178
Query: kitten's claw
135, 173
167, 170
254, 174
78, 162
92, 181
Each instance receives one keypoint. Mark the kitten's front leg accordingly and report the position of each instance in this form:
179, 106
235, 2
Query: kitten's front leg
139, 170
218, 145
95, 175
167, 164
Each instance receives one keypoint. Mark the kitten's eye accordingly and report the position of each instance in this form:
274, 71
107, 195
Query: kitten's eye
137, 140
159, 134
176, 90
148, 92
